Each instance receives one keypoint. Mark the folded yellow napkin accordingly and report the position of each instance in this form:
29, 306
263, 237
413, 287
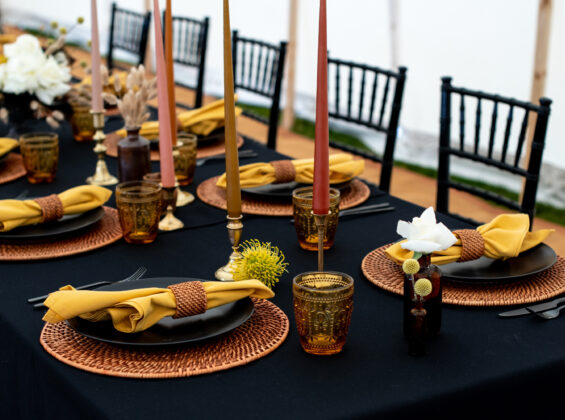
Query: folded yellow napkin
122, 75
14, 213
200, 121
506, 236
342, 169
138, 309
7, 144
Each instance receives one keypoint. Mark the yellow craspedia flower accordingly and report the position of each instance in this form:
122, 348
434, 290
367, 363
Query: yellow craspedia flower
63, 31
411, 266
260, 261
89, 43
3, 59
80, 20
54, 25
423, 287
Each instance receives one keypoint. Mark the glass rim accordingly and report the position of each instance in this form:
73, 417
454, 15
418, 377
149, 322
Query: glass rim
334, 192
187, 136
45, 136
138, 183
349, 279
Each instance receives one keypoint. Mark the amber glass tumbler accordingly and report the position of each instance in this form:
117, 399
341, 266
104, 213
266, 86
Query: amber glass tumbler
323, 302
139, 208
81, 122
40, 152
184, 157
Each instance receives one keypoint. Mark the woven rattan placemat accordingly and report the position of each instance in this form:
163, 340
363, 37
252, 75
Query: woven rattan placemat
258, 336
104, 232
381, 271
357, 193
112, 140
12, 168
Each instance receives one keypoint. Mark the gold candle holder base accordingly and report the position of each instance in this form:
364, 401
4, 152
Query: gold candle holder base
235, 228
101, 174
184, 198
321, 221
170, 222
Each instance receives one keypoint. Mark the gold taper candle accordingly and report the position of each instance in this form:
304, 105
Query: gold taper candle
170, 69
233, 191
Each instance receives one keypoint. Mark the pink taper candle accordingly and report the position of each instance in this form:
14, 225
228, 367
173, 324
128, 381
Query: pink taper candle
321, 193
95, 60
165, 142
233, 191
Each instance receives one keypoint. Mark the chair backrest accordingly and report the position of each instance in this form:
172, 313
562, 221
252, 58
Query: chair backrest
258, 67
128, 32
190, 41
361, 94
505, 154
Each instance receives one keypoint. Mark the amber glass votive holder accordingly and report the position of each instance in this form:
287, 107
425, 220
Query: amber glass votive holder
139, 208
81, 122
184, 157
304, 223
323, 302
40, 152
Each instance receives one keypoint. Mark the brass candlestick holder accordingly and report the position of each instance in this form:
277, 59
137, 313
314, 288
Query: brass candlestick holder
101, 174
170, 222
321, 221
235, 228
184, 198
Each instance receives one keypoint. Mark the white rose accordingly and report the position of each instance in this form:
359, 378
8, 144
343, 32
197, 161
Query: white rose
52, 81
21, 73
25, 45
424, 235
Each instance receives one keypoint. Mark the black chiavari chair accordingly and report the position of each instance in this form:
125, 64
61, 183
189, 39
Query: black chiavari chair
128, 32
362, 95
505, 154
190, 40
258, 67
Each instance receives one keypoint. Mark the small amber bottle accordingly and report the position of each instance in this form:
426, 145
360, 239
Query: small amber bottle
134, 160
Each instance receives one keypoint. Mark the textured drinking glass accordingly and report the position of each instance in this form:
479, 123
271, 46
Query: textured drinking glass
323, 302
184, 156
304, 222
81, 122
40, 152
139, 208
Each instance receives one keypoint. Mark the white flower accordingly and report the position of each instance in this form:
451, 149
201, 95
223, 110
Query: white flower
25, 45
52, 81
424, 235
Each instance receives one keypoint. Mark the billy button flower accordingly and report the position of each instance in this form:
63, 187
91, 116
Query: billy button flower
411, 266
423, 287
54, 25
261, 261
80, 20
63, 31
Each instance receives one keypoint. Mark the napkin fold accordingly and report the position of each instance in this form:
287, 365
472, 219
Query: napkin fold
342, 169
7, 144
506, 236
138, 309
14, 213
200, 121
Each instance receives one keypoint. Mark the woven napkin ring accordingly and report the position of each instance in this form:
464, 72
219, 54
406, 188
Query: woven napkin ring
284, 171
472, 244
190, 297
51, 207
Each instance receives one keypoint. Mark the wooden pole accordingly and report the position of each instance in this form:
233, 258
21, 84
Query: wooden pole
393, 6
148, 62
288, 113
545, 9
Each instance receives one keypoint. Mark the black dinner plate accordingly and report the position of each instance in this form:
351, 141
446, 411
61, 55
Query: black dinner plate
168, 331
284, 190
487, 270
67, 224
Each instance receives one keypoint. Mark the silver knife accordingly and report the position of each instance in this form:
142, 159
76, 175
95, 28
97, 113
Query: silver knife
534, 308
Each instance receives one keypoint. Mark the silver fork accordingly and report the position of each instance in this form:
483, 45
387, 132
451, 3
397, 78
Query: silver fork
242, 154
135, 276
551, 313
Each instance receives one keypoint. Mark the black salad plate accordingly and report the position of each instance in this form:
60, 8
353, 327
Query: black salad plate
284, 190
487, 270
71, 223
168, 331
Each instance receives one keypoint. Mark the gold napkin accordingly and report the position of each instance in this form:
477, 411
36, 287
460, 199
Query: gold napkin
200, 121
122, 75
138, 309
506, 236
342, 169
7, 144
14, 213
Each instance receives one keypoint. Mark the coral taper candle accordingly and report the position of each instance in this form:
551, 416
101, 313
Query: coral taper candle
321, 188
95, 60
170, 69
165, 141
233, 191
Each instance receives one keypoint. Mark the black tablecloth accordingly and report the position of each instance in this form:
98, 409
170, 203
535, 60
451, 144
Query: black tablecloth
479, 365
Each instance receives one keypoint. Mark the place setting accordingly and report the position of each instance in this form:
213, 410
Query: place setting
11, 163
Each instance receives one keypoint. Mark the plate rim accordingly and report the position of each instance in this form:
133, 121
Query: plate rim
170, 280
